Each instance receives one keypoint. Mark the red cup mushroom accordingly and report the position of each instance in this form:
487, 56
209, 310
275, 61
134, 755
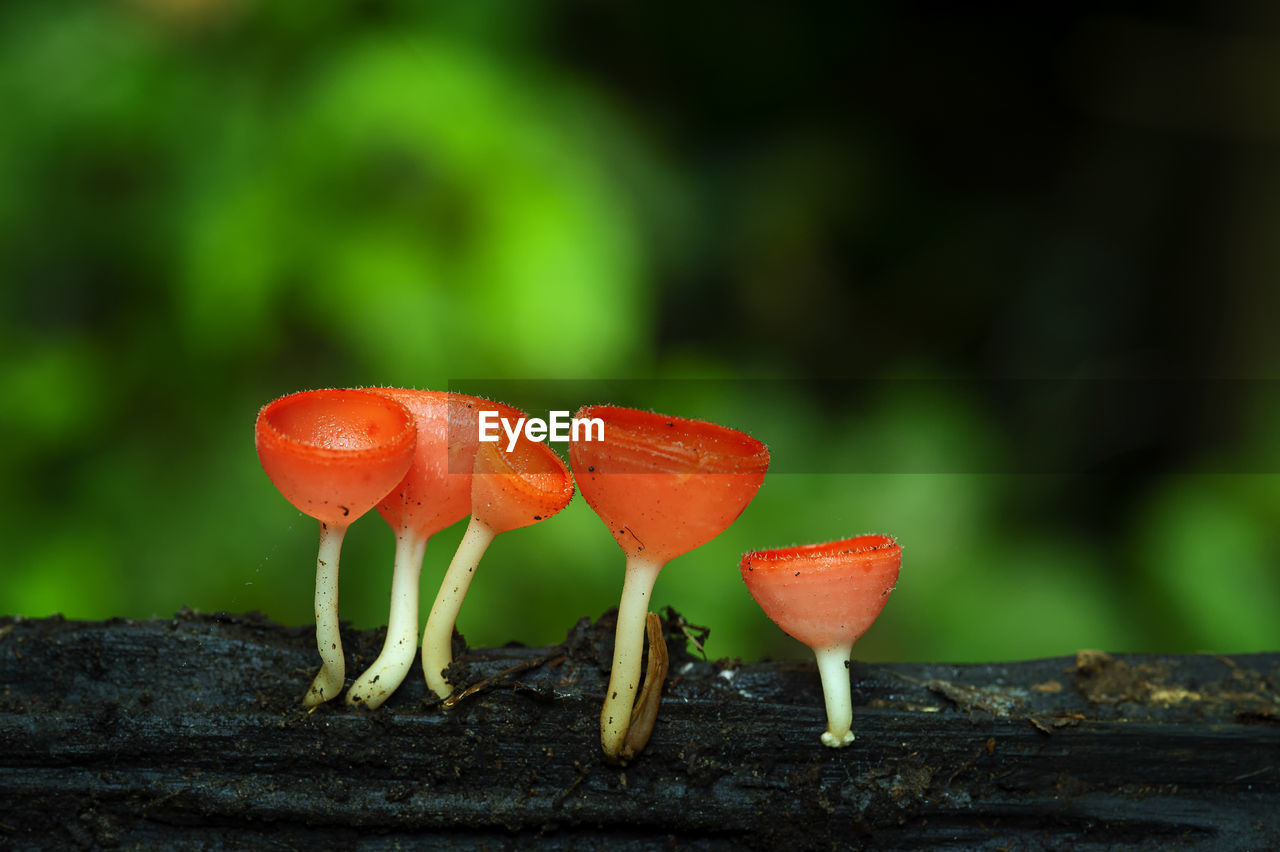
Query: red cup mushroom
434, 494
509, 490
663, 485
333, 454
826, 595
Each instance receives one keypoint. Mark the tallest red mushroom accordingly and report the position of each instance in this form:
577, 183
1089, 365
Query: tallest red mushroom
435, 493
663, 485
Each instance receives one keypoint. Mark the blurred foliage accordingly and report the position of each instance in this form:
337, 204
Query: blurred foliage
205, 204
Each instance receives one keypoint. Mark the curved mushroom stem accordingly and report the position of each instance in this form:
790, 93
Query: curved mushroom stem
833, 667
628, 647
328, 682
437, 639
388, 671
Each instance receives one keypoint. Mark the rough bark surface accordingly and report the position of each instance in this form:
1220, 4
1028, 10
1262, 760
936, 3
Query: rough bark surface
188, 733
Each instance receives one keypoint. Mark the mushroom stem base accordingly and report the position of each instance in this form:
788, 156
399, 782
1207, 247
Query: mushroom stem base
628, 648
382, 678
833, 667
328, 683
437, 638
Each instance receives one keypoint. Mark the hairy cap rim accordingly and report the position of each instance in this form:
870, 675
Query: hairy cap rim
709, 446
267, 428
858, 547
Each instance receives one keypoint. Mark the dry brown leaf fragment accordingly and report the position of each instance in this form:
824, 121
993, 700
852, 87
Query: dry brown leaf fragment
645, 713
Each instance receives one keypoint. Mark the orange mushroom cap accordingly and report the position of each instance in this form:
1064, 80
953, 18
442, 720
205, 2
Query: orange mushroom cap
824, 594
334, 453
436, 491
665, 485
518, 488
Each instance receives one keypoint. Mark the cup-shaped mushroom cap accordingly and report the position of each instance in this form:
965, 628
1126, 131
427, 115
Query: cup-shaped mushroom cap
665, 485
518, 488
335, 453
824, 594
436, 491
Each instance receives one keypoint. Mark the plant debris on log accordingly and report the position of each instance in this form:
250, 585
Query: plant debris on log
187, 733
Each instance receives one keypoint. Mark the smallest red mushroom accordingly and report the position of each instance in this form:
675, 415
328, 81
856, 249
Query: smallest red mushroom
826, 595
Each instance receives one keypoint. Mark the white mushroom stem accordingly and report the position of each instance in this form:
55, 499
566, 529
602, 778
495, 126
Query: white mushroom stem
388, 671
628, 648
833, 667
437, 638
328, 682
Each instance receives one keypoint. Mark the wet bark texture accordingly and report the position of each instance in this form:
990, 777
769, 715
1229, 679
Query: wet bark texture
188, 733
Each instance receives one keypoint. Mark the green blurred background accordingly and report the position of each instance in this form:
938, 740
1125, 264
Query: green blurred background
205, 204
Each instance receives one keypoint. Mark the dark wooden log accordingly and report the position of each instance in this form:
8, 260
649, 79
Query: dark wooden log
188, 733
